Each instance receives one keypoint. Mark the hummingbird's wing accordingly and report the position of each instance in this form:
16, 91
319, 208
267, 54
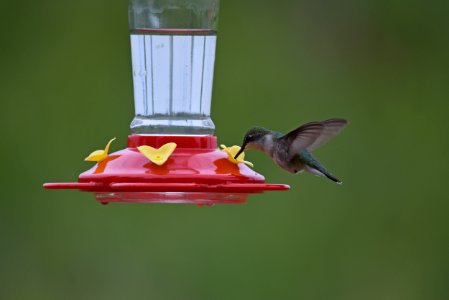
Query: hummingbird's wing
331, 128
302, 137
312, 135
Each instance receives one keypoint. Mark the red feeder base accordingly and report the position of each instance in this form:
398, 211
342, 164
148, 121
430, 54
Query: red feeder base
197, 172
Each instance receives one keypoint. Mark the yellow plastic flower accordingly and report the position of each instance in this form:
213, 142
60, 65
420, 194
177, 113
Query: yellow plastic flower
232, 151
99, 155
158, 156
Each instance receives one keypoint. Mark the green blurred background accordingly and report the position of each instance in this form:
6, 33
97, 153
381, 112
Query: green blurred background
66, 88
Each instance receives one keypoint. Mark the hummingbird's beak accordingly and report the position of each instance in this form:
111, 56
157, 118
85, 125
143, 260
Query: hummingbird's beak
240, 151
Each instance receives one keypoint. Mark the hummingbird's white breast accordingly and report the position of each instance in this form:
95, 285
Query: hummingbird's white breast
267, 144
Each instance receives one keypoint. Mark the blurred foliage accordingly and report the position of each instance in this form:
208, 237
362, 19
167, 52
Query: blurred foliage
66, 88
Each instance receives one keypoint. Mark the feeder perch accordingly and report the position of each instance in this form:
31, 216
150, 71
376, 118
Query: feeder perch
172, 154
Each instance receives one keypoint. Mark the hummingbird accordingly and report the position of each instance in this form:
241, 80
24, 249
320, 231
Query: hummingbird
292, 151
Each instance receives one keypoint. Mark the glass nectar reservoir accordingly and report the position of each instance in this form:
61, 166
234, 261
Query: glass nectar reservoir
173, 54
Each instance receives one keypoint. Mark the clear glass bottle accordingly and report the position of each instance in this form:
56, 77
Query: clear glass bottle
173, 55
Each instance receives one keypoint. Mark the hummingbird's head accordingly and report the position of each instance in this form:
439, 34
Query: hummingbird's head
253, 139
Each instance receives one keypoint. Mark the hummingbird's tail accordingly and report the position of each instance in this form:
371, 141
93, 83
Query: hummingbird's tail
323, 173
333, 178
313, 166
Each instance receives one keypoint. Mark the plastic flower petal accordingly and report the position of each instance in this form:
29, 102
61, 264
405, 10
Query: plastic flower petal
158, 156
99, 155
232, 151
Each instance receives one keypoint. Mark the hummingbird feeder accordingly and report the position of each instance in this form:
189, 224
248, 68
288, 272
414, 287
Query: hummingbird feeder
172, 154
